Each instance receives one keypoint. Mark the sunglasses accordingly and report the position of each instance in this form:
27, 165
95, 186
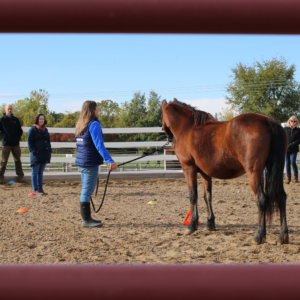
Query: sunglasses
293, 121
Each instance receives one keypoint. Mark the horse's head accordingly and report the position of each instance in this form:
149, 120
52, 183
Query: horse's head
165, 122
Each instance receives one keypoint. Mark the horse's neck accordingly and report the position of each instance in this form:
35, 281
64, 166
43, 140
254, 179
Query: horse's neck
177, 120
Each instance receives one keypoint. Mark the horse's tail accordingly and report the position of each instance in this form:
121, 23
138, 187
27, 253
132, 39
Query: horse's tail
274, 189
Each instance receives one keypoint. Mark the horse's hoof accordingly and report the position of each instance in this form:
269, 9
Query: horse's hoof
283, 240
210, 228
189, 231
259, 240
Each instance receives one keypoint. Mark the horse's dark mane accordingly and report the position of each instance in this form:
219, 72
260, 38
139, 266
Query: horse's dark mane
200, 117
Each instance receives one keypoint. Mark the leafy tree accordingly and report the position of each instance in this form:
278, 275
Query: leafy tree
138, 113
62, 137
54, 118
26, 109
266, 87
108, 113
153, 118
154, 110
2, 109
227, 114
134, 112
69, 120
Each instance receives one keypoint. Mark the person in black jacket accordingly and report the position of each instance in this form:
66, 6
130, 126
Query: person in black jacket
40, 152
293, 133
11, 132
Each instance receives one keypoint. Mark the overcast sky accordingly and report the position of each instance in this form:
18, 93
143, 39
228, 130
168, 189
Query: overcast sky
74, 68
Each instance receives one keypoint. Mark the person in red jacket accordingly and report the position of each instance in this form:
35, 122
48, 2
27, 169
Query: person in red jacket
293, 133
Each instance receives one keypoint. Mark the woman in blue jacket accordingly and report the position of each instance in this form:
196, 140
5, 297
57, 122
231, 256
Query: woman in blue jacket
90, 154
40, 148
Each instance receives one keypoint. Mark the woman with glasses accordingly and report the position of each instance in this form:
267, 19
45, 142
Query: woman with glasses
293, 133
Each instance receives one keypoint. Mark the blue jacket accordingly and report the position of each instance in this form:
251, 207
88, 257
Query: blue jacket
90, 146
39, 146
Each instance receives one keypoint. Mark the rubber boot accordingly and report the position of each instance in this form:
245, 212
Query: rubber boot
87, 221
288, 180
296, 178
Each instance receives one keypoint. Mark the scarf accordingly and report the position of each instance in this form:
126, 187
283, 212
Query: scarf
39, 127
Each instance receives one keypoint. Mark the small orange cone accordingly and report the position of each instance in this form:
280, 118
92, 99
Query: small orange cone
22, 210
187, 220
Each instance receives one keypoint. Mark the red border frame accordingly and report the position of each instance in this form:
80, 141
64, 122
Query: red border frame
150, 16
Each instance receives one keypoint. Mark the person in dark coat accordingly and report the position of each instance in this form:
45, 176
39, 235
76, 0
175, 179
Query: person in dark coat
91, 153
11, 132
293, 133
40, 152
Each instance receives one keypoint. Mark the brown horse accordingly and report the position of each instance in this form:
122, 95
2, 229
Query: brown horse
246, 144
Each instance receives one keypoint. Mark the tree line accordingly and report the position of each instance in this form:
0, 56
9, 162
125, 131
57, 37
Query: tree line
140, 111
268, 87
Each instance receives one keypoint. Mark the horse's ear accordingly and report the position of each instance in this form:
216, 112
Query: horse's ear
164, 103
175, 100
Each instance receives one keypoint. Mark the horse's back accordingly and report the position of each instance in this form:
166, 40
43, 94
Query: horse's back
229, 149
251, 138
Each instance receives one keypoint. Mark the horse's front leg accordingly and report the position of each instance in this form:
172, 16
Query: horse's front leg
190, 173
207, 188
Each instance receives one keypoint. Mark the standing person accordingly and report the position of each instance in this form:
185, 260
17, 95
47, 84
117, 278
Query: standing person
11, 131
40, 148
293, 134
90, 154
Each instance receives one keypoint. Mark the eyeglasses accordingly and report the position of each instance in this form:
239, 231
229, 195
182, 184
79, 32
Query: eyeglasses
293, 121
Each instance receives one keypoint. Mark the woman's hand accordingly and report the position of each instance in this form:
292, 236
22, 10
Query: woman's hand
113, 166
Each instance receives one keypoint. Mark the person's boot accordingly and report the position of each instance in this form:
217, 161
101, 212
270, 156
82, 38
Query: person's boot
87, 221
288, 180
39, 193
296, 178
43, 192
1, 180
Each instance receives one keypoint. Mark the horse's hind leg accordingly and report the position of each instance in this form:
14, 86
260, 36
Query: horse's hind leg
284, 232
190, 173
207, 185
260, 199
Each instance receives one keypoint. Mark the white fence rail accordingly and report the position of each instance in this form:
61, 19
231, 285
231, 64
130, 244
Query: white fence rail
70, 145
104, 130
113, 145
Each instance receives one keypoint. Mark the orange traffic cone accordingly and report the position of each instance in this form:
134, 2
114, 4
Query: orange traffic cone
187, 220
22, 210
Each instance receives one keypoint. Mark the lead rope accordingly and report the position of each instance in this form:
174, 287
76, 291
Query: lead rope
107, 179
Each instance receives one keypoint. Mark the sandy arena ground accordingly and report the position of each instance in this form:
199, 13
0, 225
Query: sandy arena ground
135, 232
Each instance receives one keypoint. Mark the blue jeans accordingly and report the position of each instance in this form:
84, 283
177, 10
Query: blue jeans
89, 176
291, 159
37, 176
